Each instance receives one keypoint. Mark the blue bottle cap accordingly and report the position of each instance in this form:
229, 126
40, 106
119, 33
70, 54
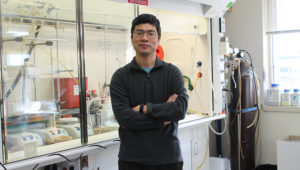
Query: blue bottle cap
274, 85
286, 90
296, 90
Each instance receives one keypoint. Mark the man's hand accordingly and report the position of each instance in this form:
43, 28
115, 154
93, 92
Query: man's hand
167, 122
172, 98
136, 108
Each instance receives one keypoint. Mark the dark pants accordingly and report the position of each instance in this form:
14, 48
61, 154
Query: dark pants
124, 165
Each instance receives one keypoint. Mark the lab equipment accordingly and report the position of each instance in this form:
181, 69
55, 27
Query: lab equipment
72, 126
286, 98
69, 92
50, 134
273, 95
16, 141
243, 113
296, 97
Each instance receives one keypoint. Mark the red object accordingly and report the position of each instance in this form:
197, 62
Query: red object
69, 92
199, 75
94, 94
70, 115
160, 52
139, 2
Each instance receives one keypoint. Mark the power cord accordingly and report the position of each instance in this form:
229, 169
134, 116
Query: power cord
225, 125
35, 166
221, 133
69, 160
100, 146
227, 90
3, 166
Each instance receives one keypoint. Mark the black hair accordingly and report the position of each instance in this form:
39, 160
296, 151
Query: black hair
146, 18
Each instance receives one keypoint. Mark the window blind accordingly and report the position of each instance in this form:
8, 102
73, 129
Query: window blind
282, 16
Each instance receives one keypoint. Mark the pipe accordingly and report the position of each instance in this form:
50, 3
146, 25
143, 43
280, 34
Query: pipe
65, 22
17, 39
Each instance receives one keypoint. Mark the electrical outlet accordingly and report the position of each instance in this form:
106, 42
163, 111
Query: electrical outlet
84, 163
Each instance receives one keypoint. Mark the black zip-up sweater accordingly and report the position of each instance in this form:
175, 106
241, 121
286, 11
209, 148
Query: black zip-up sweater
144, 138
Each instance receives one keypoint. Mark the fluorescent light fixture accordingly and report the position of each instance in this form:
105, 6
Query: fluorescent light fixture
16, 59
17, 33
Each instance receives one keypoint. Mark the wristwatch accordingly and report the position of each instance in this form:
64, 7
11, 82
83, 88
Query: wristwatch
141, 108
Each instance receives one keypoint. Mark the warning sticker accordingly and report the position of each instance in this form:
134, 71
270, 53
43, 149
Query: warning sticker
75, 90
139, 2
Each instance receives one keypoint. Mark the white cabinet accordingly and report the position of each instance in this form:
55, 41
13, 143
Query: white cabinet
194, 146
194, 149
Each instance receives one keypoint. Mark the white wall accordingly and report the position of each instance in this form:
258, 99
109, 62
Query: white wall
244, 27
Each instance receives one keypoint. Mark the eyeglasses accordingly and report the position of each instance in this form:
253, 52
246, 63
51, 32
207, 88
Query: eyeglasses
151, 35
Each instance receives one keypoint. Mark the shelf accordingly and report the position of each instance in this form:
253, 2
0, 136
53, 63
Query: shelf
292, 109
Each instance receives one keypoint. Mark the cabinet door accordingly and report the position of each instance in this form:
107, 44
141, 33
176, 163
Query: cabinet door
200, 148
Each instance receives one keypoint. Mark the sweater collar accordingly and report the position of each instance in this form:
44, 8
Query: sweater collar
134, 64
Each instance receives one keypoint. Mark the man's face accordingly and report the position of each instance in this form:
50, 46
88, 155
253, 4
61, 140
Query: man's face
145, 39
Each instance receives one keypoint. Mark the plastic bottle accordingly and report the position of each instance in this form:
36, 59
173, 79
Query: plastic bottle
107, 115
273, 95
295, 97
286, 98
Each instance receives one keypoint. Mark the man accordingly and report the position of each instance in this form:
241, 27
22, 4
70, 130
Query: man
148, 99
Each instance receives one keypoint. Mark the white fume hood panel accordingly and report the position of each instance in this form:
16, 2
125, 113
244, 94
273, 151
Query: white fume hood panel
183, 6
214, 8
206, 8
213, 2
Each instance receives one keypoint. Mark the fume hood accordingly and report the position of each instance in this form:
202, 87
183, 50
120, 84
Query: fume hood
40, 68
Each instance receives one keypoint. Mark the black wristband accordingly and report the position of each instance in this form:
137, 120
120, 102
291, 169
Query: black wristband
141, 108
